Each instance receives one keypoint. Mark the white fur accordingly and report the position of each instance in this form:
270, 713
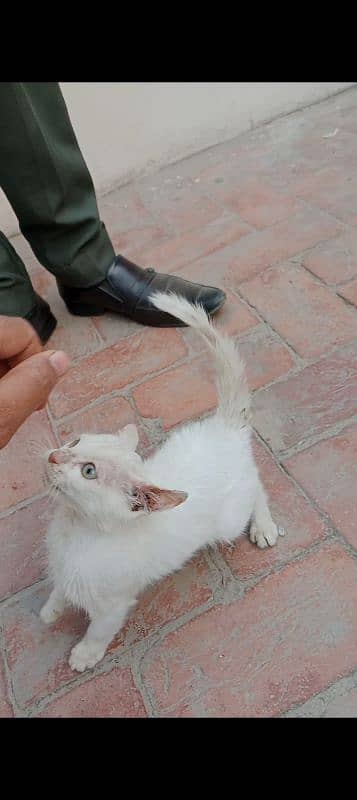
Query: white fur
105, 544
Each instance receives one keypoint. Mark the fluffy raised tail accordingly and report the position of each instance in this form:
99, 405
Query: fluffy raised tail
233, 392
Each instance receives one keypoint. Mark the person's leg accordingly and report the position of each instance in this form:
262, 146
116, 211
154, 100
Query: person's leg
17, 296
45, 178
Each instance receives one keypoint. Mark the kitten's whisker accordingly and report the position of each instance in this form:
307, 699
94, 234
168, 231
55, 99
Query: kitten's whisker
52, 494
38, 447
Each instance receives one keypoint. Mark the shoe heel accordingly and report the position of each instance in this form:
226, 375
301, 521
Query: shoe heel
83, 310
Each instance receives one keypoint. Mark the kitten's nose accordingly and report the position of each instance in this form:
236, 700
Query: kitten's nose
57, 457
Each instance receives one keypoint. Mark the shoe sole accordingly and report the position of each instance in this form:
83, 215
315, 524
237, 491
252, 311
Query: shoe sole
81, 310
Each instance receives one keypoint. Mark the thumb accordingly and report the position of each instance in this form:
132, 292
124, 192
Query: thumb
25, 389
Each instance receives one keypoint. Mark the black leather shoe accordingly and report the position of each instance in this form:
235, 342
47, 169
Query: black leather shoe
42, 319
126, 290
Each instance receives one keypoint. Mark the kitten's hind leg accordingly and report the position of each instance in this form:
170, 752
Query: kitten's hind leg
54, 607
263, 530
102, 629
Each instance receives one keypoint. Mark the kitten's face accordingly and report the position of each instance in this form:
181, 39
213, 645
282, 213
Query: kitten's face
102, 475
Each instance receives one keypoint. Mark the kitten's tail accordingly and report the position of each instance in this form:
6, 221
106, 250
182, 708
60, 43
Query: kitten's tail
233, 392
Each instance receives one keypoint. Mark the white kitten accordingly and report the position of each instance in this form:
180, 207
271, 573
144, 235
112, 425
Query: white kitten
106, 544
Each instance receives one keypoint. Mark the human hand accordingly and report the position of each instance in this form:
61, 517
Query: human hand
27, 374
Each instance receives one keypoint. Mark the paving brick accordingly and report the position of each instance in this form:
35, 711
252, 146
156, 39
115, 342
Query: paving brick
168, 600
177, 395
319, 142
342, 707
107, 417
267, 247
188, 390
5, 705
123, 210
179, 210
241, 161
349, 291
20, 466
308, 403
302, 524
306, 314
338, 195
338, 700
213, 269
115, 367
335, 260
176, 191
284, 640
260, 204
328, 473
132, 243
182, 249
114, 327
113, 694
38, 654
265, 357
235, 318
321, 151
314, 183
186, 171
22, 556
77, 336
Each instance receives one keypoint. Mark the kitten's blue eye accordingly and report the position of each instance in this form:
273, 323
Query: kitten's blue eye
89, 471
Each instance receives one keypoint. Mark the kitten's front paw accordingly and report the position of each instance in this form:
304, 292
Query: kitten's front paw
268, 536
85, 655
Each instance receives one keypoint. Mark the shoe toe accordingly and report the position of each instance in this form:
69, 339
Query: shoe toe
211, 299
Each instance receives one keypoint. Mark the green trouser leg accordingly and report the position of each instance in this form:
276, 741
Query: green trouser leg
45, 179
17, 296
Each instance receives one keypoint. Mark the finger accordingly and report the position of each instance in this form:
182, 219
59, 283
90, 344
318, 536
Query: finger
26, 388
18, 340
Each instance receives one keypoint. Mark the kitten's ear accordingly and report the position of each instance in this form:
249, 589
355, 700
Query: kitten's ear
129, 437
150, 498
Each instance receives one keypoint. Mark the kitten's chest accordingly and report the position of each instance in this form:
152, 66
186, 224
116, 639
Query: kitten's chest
77, 568
91, 566
67, 553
